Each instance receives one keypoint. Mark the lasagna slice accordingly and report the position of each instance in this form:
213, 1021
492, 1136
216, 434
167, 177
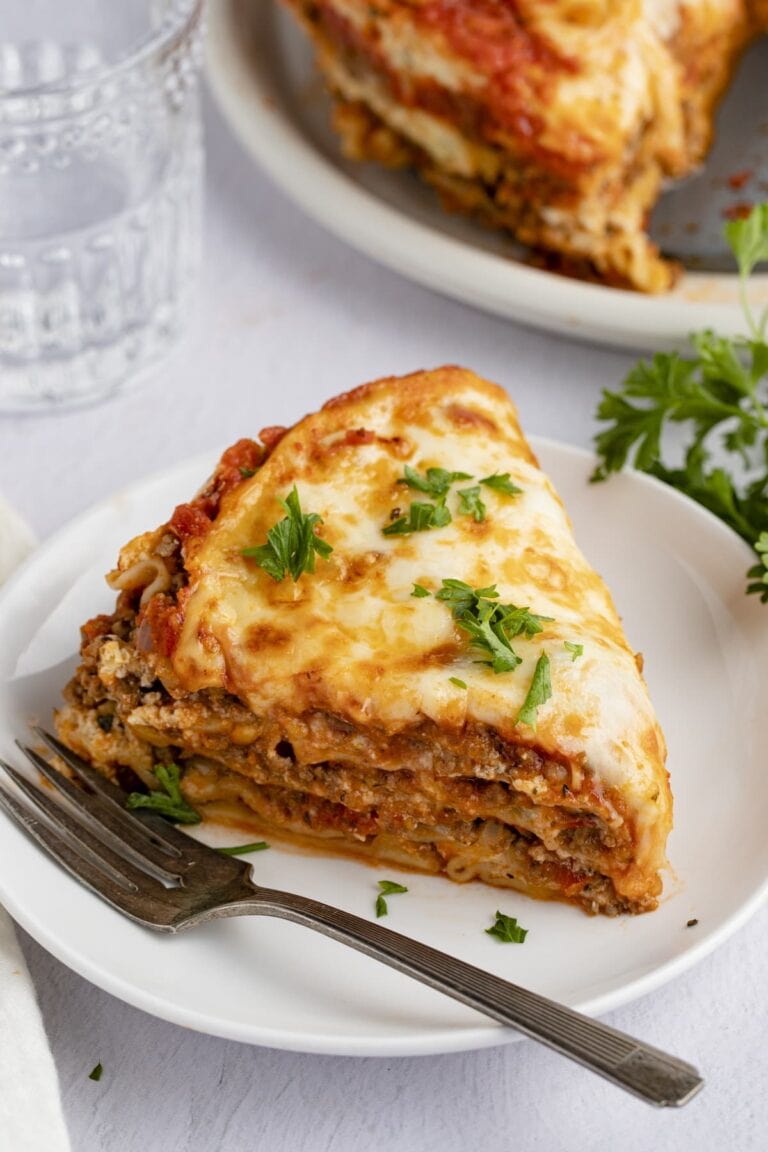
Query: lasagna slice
558, 120
374, 633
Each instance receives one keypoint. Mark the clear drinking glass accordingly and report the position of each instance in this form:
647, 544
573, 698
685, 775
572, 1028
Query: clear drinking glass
100, 191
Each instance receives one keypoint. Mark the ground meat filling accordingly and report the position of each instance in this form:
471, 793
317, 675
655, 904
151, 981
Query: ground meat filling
471, 805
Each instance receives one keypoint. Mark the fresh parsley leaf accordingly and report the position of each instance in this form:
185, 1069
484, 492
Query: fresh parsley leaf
470, 503
387, 888
759, 574
462, 596
243, 849
95, 1073
500, 482
575, 650
667, 390
435, 483
391, 887
538, 693
490, 626
507, 930
521, 621
419, 591
455, 680
291, 543
167, 800
246, 473
420, 518
719, 392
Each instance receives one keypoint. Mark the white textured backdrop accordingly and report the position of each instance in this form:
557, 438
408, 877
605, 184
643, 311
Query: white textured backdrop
287, 317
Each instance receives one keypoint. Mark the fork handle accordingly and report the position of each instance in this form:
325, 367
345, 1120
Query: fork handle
647, 1072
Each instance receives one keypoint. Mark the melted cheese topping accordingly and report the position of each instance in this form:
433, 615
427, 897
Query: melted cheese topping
351, 639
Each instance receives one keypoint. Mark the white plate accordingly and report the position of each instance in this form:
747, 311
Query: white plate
260, 68
677, 576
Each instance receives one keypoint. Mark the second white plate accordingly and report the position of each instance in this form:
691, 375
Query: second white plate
261, 71
678, 577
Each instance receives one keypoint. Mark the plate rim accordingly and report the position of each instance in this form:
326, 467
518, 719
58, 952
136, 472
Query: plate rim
435, 1040
580, 310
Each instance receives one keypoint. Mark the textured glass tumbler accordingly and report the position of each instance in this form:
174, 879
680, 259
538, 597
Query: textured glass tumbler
100, 191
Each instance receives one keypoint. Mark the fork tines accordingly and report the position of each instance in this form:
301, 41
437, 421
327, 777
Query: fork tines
139, 863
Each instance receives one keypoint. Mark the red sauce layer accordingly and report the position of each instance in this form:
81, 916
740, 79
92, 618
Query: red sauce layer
519, 65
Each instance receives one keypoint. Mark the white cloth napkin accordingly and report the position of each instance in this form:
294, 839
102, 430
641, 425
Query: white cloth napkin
31, 1119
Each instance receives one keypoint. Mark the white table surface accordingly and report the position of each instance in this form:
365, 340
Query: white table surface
287, 317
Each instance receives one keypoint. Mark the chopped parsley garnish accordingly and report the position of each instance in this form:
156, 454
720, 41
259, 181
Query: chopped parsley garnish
419, 591
575, 650
387, 888
462, 596
167, 800
435, 483
420, 518
455, 680
500, 482
720, 389
470, 503
538, 693
507, 930
95, 1073
246, 473
243, 849
291, 543
491, 626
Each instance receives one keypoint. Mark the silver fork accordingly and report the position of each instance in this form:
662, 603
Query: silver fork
153, 873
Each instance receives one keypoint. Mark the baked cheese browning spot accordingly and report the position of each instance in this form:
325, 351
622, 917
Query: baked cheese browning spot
330, 711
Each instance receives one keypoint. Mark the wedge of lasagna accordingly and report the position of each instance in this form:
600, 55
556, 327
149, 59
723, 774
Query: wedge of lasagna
374, 633
558, 120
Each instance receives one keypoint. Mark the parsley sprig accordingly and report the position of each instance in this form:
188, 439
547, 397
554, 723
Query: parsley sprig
470, 503
491, 626
721, 390
421, 517
507, 930
500, 482
748, 240
291, 543
437, 483
538, 693
387, 888
166, 800
759, 574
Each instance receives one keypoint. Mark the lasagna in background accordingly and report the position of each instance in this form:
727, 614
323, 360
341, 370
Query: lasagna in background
445, 686
558, 120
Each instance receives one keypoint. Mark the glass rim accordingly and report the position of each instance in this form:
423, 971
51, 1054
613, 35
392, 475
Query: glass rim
154, 44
